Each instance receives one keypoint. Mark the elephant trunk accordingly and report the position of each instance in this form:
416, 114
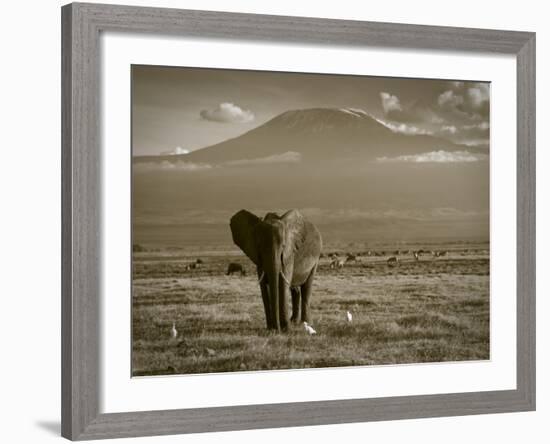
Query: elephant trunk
273, 281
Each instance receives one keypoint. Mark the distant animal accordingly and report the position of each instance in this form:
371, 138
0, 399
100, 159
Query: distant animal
439, 253
199, 261
309, 329
351, 257
285, 250
416, 255
235, 268
392, 261
173, 331
396, 252
337, 263
349, 316
193, 266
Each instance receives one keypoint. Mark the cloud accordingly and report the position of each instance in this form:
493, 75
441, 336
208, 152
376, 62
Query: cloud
451, 129
482, 126
436, 157
403, 128
473, 134
466, 101
182, 166
390, 102
172, 166
478, 100
449, 99
418, 112
175, 152
227, 113
459, 113
479, 95
288, 157
475, 142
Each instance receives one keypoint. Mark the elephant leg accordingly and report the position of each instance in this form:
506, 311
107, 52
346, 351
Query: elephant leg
265, 299
295, 292
283, 305
306, 290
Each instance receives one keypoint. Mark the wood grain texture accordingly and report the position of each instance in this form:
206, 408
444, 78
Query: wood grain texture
526, 220
80, 221
66, 224
81, 231
119, 425
230, 25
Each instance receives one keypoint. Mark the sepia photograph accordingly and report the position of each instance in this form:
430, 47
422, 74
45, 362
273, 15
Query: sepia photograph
287, 220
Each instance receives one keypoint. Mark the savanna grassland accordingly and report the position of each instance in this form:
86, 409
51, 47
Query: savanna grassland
432, 310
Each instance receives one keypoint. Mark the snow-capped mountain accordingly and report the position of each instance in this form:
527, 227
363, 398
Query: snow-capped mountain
317, 134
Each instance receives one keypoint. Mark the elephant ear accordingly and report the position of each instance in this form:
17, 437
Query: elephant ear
243, 227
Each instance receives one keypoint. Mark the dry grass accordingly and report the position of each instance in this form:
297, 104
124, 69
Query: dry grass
429, 311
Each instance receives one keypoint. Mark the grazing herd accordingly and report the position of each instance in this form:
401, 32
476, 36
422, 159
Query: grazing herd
194, 265
337, 261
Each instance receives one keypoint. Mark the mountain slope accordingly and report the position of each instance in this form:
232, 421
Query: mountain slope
316, 134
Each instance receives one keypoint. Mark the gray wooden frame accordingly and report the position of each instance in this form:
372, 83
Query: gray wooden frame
81, 27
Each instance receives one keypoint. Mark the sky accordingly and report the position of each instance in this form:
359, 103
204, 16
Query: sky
176, 110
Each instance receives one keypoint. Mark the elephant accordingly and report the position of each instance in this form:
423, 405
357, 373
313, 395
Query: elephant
235, 268
286, 251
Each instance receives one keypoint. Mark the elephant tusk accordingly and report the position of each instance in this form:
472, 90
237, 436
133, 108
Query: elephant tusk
285, 279
261, 278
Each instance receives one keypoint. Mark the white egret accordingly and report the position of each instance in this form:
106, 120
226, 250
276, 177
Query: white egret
173, 331
309, 329
349, 316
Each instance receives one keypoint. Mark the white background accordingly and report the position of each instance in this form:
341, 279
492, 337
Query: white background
30, 222
120, 393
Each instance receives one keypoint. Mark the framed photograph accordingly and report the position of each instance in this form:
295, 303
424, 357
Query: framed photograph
283, 221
